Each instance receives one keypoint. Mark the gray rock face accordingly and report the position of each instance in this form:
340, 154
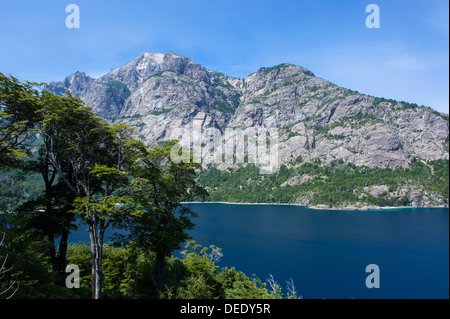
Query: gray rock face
136, 71
317, 119
76, 83
166, 95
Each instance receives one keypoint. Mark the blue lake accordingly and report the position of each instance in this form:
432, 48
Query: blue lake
326, 252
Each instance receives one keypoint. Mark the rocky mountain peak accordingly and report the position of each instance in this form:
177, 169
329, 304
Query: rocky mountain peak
76, 83
285, 68
136, 71
175, 62
78, 77
162, 95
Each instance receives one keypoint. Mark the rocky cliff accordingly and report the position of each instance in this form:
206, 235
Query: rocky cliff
163, 94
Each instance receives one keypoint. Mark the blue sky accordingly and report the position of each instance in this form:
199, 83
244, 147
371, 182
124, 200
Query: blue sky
407, 58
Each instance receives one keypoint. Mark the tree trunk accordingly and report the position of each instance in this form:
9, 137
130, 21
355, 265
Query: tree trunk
160, 265
52, 251
96, 239
61, 259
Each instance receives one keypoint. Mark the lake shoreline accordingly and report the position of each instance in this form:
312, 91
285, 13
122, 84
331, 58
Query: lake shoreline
323, 207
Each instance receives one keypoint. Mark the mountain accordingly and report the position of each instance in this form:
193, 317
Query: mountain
167, 96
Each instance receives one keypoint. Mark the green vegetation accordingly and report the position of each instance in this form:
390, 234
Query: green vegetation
127, 274
15, 188
90, 170
81, 169
121, 89
280, 86
236, 100
355, 122
223, 84
160, 74
194, 276
156, 113
124, 117
336, 185
18, 104
226, 104
276, 67
223, 107
61, 164
402, 105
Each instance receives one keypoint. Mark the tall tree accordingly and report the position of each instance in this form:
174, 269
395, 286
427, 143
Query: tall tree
158, 189
22, 111
18, 105
99, 157
50, 214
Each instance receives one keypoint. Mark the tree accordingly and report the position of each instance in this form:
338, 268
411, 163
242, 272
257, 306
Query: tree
18, 104
23, 112
50, 214
199, 277
158, 189
98, 157
6, 289
51, 219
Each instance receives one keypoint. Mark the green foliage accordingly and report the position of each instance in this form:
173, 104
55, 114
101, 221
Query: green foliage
335, 185
128, 274
16, 188
160, 74
202, 279
355, 122
276, 67
18, 105
80, 255
223, 84
195, 287
226, 104
223, 107
115, 263
121, 89
404, 106
82, 165
99, 172
165, 111
237, 285
158, 188
27, 260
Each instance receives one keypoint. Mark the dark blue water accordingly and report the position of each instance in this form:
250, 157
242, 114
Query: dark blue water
326, 252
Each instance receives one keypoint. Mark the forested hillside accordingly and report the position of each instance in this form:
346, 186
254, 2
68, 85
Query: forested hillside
339, 185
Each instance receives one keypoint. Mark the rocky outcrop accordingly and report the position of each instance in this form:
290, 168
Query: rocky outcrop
76, 83
166, 95
318, 119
